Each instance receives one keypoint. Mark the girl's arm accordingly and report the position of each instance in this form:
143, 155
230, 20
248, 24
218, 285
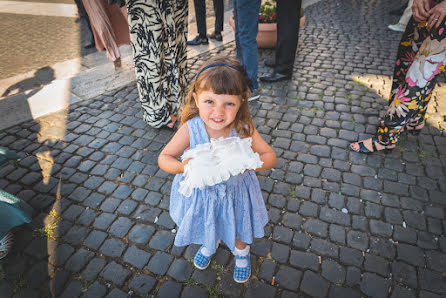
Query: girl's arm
168, 158
267, 154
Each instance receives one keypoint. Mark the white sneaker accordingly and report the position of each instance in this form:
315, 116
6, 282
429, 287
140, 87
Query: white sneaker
254, 95
397, 27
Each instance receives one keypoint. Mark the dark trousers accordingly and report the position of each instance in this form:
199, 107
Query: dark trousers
288, 17
200, 15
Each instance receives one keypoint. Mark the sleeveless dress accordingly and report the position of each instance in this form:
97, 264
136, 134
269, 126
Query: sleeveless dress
228, 210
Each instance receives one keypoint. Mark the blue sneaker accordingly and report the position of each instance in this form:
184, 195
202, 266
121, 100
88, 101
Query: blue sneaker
242, 274
201, 261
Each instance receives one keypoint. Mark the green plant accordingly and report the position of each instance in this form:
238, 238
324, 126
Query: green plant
267, 12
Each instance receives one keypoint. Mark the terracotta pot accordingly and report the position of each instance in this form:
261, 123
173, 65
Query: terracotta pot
267, 35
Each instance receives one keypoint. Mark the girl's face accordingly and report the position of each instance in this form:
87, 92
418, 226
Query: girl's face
217, 111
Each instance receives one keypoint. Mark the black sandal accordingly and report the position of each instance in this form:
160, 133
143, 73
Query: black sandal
414, 131
363, 148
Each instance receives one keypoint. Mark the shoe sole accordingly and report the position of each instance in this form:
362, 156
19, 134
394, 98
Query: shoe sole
242, 281
201, 268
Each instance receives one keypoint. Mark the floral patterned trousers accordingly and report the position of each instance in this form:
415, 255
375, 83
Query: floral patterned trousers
421, 58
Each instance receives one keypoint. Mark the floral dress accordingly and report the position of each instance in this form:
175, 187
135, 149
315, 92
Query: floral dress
420, 59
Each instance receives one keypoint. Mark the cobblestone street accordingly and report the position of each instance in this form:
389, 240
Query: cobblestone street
342, 224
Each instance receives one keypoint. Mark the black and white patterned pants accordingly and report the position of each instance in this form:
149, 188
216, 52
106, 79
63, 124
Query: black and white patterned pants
158, 32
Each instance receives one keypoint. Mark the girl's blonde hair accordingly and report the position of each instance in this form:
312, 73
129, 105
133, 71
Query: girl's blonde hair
222, 79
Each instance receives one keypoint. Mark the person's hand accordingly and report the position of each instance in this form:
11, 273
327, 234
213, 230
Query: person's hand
437, 14
420, 10
185, 162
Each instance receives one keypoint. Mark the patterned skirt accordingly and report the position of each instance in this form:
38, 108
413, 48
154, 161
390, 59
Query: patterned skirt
158, 32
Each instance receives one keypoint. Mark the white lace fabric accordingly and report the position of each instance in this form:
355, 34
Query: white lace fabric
217, 161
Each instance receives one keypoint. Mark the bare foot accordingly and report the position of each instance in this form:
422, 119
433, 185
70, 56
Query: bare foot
117, 63
173, 119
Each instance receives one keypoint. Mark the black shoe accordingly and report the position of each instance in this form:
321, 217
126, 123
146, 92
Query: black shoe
270, 63
198, 40
217, 36
275, 77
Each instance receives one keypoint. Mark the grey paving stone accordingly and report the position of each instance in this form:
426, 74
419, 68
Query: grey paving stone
160, 263
304, 260
357, 240
103, 221
288, 277
258, 289
78, 260
73, 289
110, 205
282, 234
324, 247
146, 213
113, 248
336, 291
376, 264
410, 254
75, 235
61, 254
192, 292
267, 270
142, 283
351, 256
180, 270
431, 281
405, 274
165, 220
116, 293
301, 240
127, 207
337, 234
162, 240
314, 285
333, 271
93, 268
280, 252
316, 227
334, 216
353, 276
115, 273
308, 209
380, 228
120, 227
136, 257
374, 286
169, 289
400, 292
95, 239
141, 233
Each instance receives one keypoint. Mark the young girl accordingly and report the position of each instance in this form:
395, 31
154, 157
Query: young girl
233, 210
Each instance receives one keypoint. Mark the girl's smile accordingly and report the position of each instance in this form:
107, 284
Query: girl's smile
217, 111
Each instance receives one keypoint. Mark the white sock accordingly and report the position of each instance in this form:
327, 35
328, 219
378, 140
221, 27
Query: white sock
241, 253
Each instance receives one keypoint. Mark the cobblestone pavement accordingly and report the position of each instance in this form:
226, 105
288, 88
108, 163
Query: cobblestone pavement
341, 224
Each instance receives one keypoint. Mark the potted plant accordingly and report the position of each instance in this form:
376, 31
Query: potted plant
267, 35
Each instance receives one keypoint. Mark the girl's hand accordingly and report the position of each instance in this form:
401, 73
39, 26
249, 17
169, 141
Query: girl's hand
437, 14
185, 162
420, 10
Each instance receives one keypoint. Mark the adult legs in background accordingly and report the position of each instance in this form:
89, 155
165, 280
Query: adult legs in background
158, 35
421, 58
288, 17
404, 20
218, 25
109, 25
246, 17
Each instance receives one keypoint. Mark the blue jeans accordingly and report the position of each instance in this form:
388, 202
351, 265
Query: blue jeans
246, 17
